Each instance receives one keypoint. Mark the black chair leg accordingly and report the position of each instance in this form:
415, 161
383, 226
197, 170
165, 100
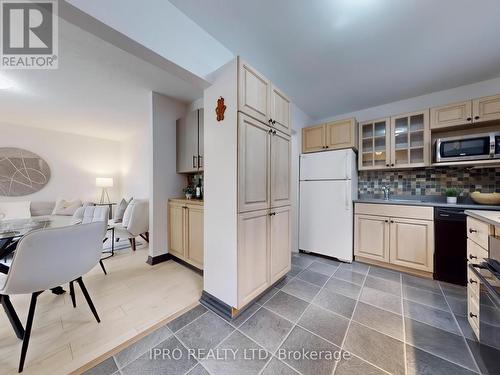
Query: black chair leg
12, 316
72, 293
87, 297
102, 266
29, 324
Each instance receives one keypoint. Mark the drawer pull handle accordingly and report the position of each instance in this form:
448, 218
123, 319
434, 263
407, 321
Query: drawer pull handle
472, 257
472, 230
472, 315
472, 281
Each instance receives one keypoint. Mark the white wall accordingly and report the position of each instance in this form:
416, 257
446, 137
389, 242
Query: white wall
299, 120
74, 160
164, 181
135, 163
475, 90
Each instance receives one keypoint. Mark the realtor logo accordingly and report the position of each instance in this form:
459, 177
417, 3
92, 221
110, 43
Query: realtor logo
29, 34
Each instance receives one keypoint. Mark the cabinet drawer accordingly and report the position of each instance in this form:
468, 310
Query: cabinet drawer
473, 312
478, 232
472, 282
475, 253
393, 210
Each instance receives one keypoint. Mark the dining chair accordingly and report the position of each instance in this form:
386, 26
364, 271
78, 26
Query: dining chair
91, 214
135, 222
47, 258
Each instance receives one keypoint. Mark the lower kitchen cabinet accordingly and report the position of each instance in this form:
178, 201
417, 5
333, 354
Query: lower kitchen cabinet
412, 243
371, 237
281, 227
400, 236
264, 250
185, 231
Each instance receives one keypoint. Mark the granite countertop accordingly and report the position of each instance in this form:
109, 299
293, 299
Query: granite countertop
491, 217
425, 200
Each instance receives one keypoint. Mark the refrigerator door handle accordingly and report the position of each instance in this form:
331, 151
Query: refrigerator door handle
346, 165
347, 189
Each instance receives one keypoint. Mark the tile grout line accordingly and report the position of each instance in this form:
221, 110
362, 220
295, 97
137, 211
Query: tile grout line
345, 336
460, 328
352, 315
405, 356
302, 314
434, 354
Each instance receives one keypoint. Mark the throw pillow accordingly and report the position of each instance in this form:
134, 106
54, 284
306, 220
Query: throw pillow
15, 210
66, 208
120, 210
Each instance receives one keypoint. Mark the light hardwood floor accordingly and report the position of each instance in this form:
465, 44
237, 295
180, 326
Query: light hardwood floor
131, 299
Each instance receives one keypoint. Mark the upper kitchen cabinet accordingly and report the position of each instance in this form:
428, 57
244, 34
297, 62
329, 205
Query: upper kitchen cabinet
254, 164
334, 135
374, 144
467, 112
486, 109
254, 93
313, 138
451, 115
262, 100
341, 134
398, 142
190, 142
410, 140
280, 110
264, 165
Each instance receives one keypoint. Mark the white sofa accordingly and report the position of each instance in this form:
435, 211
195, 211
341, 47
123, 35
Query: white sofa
41, 210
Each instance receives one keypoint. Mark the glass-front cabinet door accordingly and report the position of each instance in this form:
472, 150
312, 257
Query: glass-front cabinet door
410, 140
374, 144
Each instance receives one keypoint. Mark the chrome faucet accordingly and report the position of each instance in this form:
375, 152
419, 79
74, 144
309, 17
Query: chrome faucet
387, 192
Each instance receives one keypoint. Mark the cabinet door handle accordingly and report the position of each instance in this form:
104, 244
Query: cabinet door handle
200, 161
476, 117
392, 221
472, 257
386, 221
274, 122
469, 118
472, 315
392, 165
472, 230
387, 165
472, 281
270, 121
194, 161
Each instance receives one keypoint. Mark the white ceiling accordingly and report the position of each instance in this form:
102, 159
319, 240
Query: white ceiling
99, 90
338, 56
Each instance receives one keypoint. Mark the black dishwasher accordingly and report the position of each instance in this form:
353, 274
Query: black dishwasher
450, 245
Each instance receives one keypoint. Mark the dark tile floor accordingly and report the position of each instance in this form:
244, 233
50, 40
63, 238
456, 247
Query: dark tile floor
384, 321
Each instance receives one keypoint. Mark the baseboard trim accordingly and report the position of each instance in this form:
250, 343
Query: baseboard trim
226, 311
216, 305
158, 259
186, 264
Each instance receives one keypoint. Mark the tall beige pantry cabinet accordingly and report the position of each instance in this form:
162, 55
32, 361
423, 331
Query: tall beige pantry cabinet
247, 213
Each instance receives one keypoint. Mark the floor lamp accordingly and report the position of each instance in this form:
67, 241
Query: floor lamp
104, 183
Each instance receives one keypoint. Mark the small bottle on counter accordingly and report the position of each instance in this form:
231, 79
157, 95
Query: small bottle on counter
198, 189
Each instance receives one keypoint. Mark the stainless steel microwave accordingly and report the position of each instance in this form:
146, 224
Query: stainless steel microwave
468, 147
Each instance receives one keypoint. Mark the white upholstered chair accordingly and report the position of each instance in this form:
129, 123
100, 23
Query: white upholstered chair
91, 214
47, 258
135, 222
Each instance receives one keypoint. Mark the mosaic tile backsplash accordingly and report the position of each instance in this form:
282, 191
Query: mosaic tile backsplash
430, 181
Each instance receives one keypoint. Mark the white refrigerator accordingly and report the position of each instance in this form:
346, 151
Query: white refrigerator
328, 185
